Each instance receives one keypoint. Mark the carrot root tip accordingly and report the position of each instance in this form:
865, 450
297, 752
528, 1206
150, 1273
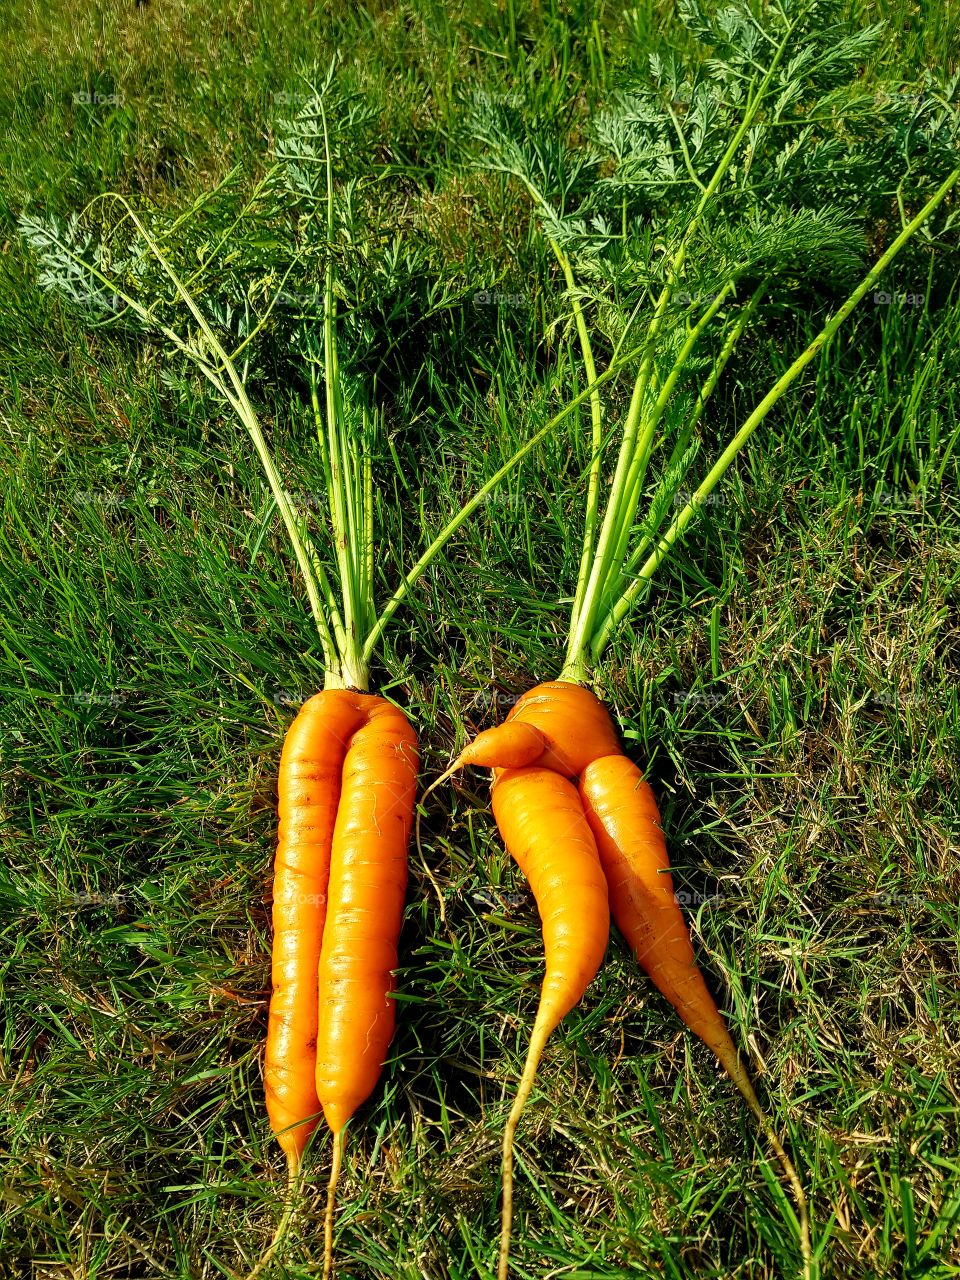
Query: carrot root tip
293, 1174
335, 1162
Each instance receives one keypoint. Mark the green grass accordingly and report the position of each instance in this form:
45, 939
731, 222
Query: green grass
791, 690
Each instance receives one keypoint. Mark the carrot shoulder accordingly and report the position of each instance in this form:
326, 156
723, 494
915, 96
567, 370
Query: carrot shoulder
572, 723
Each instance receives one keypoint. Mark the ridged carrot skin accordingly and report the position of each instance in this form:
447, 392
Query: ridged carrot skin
541, 820
368, 878
349, 759
625, 821
311, 767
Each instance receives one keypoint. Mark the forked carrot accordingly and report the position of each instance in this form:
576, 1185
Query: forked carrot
567, 732
346, 794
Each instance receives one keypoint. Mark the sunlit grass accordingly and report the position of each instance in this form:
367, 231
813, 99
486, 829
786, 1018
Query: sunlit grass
792, 691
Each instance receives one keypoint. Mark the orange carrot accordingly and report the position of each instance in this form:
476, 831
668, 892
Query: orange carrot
623, 816
311, 765
574, 724
368, 877
562, 727
346, 794
542, 823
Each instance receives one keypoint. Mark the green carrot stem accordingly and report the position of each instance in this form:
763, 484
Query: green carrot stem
233, 391
587, 607
346, 482
596, 419
683, 442
645, 442
596, 416
443, 537
623, 605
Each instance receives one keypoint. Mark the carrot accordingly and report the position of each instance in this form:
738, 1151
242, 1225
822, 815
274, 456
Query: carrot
347, 784
542, 823
567, 731
311, 764
346, 794
572, 722
625, 822
623, 816
309, 787
368, 877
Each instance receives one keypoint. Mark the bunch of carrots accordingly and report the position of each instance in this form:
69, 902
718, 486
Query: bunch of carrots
347, 785
573, 810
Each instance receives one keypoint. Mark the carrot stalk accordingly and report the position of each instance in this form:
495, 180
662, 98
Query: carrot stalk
309, 789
